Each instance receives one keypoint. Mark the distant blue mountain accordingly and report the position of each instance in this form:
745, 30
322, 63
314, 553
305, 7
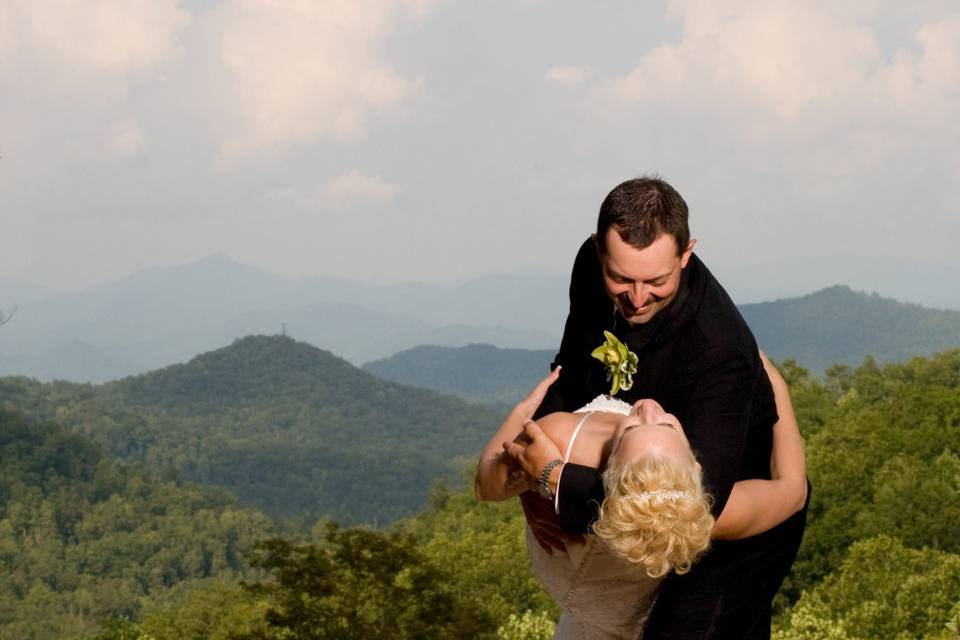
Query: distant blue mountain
834, 326
476, 372
71, 360
160, 316
18, 292
840, 326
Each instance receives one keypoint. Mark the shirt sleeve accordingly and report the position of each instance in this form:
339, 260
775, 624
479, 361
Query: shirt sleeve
582, 332
580, 488
720, 385
580, 500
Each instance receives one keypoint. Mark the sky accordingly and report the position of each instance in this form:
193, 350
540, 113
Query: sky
436, 139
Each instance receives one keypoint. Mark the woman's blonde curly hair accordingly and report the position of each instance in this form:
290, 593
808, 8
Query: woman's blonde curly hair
656, 514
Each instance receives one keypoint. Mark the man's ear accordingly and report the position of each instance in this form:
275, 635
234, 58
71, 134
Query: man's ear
685, 257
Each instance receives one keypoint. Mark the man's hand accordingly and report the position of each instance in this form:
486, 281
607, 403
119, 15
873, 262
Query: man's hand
520, 481
544, 523
533, 457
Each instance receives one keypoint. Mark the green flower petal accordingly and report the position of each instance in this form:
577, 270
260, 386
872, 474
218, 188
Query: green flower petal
619, 362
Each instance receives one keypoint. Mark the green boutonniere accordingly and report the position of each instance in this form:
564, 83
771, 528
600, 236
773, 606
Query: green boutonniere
621, 363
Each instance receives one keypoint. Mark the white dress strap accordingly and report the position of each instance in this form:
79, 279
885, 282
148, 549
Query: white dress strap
576, 432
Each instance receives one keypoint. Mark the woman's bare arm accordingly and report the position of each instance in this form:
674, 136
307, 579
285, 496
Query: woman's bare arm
756, 506
500, 475
493, 480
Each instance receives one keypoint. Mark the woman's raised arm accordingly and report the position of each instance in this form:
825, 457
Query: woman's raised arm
496, 479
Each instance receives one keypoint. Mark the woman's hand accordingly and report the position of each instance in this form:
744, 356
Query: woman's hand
498, 475
532, 448
529, 405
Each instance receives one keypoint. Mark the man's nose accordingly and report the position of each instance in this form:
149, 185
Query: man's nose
638, 294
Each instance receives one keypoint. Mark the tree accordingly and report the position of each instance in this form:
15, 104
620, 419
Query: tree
359, 584
485, 541
882, 590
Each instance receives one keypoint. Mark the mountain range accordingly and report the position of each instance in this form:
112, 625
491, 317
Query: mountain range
288, 428
161, 316
834, 326
840, 326
476, 372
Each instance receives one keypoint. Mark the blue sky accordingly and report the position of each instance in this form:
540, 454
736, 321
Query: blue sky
434, 139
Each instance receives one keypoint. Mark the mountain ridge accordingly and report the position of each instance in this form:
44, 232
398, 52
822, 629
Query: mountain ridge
164, 315
836, 325
288, 428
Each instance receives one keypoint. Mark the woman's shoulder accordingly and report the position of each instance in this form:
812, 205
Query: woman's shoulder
590, 441
559, 426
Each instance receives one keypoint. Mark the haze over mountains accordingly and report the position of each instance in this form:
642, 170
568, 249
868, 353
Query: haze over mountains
161, 316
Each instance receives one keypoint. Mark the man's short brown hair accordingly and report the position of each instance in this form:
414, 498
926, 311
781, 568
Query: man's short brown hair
642, 210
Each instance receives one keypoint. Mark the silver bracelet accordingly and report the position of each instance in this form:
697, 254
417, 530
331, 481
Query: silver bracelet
543, 482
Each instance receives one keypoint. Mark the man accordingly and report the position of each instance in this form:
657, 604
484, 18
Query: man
639, 279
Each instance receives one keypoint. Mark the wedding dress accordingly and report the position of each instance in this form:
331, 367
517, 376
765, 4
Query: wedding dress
602, 597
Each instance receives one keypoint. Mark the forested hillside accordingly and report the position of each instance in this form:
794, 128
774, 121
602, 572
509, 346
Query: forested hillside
287, 427
83, 538
881, 558
841, 326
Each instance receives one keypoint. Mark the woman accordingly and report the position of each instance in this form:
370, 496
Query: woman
655, 517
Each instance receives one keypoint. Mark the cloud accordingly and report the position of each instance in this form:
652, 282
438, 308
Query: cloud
125, 138
569, 77
354, 188
813, 78
242, 80
93, 36
69, 71
296, 72
928, 80
784, 62
344, 191
834, 115
776, 56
